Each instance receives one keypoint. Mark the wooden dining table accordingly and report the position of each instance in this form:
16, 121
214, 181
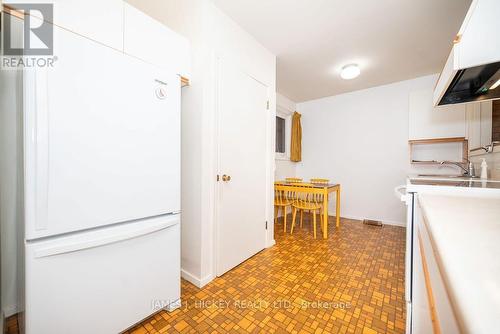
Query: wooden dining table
315, 188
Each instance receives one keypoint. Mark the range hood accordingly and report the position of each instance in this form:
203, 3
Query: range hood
472, 71
477, 83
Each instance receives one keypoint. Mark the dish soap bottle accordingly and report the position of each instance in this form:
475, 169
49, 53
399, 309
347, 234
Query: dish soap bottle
484, 169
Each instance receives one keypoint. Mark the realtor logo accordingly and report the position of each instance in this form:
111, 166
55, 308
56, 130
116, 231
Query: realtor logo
35, 37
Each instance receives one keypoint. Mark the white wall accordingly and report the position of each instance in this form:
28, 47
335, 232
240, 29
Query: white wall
232, 44
213, 36
492, 159
284, 102
284, 169
479, 124
283, 166
360, 140
186, 18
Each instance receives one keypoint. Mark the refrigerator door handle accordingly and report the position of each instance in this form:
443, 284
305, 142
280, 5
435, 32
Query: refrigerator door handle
99, 241
36, 122
42, 148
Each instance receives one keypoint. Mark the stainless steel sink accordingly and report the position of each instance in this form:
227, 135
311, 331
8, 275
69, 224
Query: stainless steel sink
449, 176
454, 177
441, 176
456, 183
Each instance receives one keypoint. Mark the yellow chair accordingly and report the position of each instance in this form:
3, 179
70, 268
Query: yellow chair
293, 179
282, 199
319, 198
306, 201
320, 181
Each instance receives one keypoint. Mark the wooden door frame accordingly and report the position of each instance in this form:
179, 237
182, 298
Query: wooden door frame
268, 234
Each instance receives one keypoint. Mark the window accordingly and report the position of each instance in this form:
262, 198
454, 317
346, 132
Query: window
283, 132
280, 135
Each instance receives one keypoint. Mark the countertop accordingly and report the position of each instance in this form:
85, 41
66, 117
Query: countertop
453, 181
465, 231
457, 183
452, 185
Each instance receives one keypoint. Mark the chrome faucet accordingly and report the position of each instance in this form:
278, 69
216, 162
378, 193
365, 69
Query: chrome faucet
469, 171
489, 148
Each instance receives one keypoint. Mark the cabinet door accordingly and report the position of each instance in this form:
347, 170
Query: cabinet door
425, 121
153, 42
432, 309
101, 21
479, 124
421, 309
478, 32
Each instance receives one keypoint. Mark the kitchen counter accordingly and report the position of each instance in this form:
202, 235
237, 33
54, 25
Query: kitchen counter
453, 181
457, 183
452, 185
465, 234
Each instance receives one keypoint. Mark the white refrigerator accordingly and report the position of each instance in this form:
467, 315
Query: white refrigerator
101, 183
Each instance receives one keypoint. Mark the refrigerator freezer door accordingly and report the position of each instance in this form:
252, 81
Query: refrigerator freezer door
102, 281
102, 139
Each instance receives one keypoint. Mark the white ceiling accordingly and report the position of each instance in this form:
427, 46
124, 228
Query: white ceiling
391, 40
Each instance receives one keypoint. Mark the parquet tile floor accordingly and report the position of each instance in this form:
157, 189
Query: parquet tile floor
353, 282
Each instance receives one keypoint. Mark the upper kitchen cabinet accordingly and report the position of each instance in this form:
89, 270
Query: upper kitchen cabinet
479, 31
472, 71
101, 21
153, 42
480, 124
426, 122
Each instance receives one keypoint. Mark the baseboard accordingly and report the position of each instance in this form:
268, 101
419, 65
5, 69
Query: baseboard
385, 222
288, 212
198, 282
173, 306
9, 311
394, 223
206, 280
271, 243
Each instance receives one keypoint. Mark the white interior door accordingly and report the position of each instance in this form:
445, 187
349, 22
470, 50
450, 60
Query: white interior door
242, 156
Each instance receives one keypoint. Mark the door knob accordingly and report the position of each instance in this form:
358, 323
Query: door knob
226, 178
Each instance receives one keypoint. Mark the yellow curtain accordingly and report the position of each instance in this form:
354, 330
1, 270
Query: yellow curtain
296, 146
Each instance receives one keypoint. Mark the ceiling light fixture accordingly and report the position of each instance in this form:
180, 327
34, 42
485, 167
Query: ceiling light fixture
350, 71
